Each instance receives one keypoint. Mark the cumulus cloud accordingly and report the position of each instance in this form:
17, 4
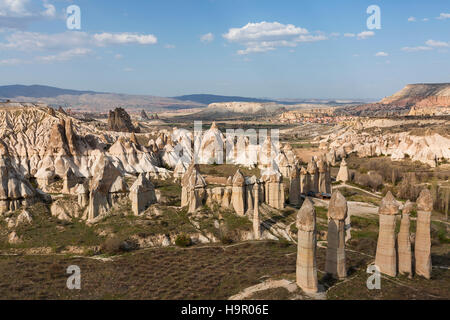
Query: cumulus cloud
267, 36
106, 38
411, 19
35, 41
65, 55
17, 14
209, 37
415, 49
365, 35
437, 44
349, 35
10, 62
381, 54
443, 16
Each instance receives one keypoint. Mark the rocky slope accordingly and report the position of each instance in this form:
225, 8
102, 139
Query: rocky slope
414, 99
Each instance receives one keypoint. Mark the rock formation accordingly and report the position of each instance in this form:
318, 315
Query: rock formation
306, 254
343, 174
142, 194
313, 173
256, 220
422, 249
193, 191
335, 257
404, 242
82, 193
70, 181
304, 183
386, 256
99, 197
238, 194
119, 120
15, 190
294, 189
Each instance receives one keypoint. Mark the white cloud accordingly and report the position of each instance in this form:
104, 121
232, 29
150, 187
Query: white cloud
14, 8
444, 16
262, 30
365, 34
50, 10
267, 36
10, 62
209, 37
381, 54
106, 38
35, 41
128, 69
425, 19
437, 44
411, 19
335, 34
118, 56
65, 55
169, 46
415, 49
349, 35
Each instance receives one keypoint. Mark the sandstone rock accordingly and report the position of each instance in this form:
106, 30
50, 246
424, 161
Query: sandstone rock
335, 258
13, 238
119, 120
404, 242
386, 255
24, 218
306, 254
313, 176
65, 210
343, 174
83, 195
294, 190
142, 195
193, 189
256, 221
422, 249
238, 193
303, 181
99, 198
70, 181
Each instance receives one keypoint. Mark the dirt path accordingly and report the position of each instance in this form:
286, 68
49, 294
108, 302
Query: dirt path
344, 185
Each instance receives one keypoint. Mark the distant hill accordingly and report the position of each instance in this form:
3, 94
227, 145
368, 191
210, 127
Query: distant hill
207, 99
37, 91
414, 99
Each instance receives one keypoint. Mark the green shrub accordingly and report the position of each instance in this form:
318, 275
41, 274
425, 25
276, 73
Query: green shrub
183, 240
111, 246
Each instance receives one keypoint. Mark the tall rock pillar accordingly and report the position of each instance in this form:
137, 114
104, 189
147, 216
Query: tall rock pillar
422, 250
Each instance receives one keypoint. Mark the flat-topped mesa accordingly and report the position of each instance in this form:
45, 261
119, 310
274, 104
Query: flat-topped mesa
294, 189
422, 250
238, 195
386, 256
404, 241
306, 271
15, 190
335, 258
343, 174
100, 201
142, 194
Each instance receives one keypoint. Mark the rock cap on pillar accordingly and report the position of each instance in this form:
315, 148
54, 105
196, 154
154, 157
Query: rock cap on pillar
389, 205
425, 201
337, 209
306, 218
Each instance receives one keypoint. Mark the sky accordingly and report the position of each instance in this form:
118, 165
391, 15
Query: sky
254, 48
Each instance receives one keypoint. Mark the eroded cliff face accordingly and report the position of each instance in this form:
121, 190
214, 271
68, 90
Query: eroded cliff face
414, 99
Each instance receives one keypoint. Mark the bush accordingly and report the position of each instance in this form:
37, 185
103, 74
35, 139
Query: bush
183, 240
111, 246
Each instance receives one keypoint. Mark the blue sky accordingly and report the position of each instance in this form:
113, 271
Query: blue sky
258, 48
